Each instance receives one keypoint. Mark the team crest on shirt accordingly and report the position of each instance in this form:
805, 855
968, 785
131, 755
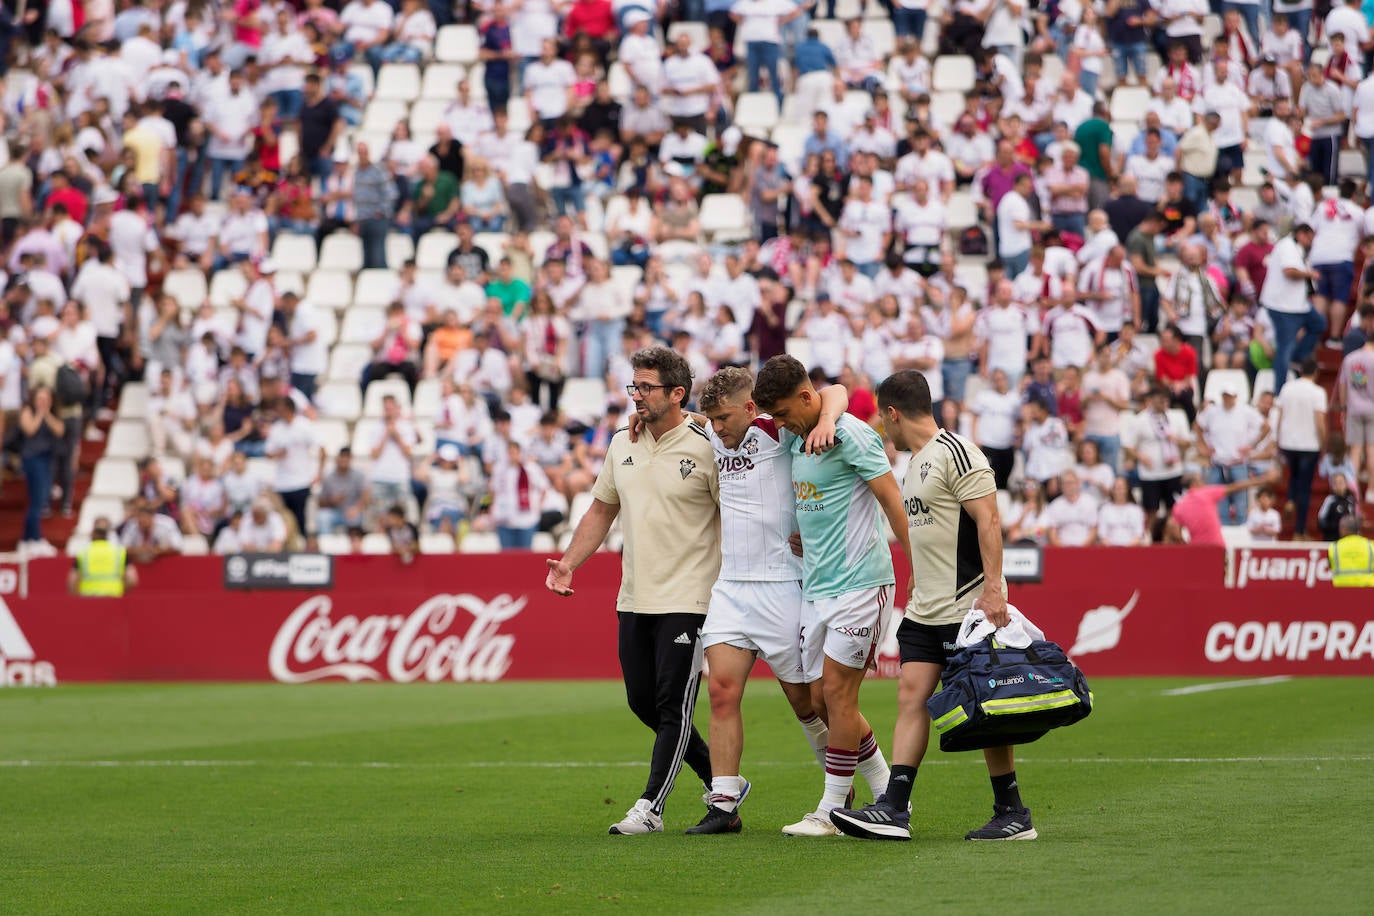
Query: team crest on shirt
685, 467
751, 446
925, 469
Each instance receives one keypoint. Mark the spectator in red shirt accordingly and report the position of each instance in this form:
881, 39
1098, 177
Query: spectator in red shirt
1176, 370
862, 402
63, 192
1250, 264
596, 20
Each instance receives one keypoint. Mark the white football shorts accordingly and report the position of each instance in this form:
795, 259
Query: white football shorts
848, 629
764, 617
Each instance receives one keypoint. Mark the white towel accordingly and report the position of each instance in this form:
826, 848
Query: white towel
1019, 634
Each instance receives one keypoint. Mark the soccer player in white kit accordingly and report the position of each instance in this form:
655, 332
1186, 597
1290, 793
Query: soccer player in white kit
757, 609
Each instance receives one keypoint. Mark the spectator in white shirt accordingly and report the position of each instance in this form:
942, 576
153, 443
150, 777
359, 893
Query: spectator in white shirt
1071, 519
1227, 434
519, 491
549, 83
996, 417
1045, 444
391, 449
1120, 522
262, 529
1263, 521
866, 228
860, 63
292, 444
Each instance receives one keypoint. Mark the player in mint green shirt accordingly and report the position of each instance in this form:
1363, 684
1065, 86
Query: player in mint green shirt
846, 569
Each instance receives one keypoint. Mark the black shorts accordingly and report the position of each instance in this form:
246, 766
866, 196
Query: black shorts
925, 642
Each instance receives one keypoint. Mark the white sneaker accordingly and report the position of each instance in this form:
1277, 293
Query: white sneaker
639, 819
41, 548
814, 824
94, 434
105, 415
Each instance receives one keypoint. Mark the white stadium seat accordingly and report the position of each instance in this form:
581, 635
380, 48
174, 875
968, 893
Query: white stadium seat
133, 401
226, 286
381, 388
93, 507
441, 81
432, 253
382, 115
479, 542
1129, 103
347, 362
341, 251
117, 477
329, 289
335, 544
427, 395
1219, 379
398, 81
953, 73
457, 44
362, 325
437, 543
756, 112
375, 288
187, 287
127, 439
376, 544
342, 400
724, 213
332, 435
294, 252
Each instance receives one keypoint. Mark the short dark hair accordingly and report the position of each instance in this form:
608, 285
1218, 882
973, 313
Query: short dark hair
671, 366
726, 384
1039, 401
1308, 367
781, 377
907, 391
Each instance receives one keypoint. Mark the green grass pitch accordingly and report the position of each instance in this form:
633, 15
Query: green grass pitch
496, 798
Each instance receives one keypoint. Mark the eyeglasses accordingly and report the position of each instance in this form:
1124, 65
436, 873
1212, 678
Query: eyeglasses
643, 390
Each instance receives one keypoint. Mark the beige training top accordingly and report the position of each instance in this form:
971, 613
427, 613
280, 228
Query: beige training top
669, 499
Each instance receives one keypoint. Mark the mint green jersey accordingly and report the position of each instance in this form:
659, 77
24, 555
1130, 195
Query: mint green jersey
843, 547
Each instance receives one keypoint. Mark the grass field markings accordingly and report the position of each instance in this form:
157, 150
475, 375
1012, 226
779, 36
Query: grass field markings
1224, 685
610, 764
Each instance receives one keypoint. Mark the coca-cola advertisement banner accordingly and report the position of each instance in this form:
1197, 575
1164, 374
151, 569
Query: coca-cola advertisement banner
1118, 611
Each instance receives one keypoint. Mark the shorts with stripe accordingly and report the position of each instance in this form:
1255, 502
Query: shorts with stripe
848, 629
766, 618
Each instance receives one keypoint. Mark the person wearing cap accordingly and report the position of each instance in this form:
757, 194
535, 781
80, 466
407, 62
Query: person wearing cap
101, 569
1227, 435
1267, 84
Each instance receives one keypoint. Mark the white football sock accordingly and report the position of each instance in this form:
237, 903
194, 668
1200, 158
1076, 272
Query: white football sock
817, 734
725, 792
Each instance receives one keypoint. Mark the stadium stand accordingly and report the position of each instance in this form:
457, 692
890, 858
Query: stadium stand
446, 233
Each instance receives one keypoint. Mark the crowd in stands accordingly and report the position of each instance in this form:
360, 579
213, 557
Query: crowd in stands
366, 276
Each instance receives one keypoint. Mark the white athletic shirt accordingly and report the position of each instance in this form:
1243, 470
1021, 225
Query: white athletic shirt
758, 511
1120, 525
1338, 225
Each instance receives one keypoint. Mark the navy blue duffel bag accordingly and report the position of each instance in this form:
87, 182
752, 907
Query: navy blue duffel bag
993, 695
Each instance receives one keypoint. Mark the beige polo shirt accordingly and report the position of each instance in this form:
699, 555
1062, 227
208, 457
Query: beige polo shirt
669, 499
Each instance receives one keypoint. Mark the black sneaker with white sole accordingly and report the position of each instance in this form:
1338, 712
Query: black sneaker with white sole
717, 820
878, 821
1006, 824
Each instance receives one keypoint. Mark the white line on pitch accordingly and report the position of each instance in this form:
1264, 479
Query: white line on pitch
605, 764
1224, 685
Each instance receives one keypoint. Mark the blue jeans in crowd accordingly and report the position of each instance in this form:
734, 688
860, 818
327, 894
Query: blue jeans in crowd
955, 373
217, 169
567, 199
1109, 448
394, 53
490, 224
1287, 348
1132, 55
603, 339
1015, 263
38, 477
1077, 223
515, 538
909, 22
498, 91
1232, 509
289, 103
1302, 467
1301, 21
373, 232
1198, 190
763, 55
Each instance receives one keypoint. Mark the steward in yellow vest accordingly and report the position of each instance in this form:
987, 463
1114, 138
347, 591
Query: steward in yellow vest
1352, 557
102, 569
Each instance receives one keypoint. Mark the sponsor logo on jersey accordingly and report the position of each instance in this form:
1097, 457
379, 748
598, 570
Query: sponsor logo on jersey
685, 467
859, 632
732, 464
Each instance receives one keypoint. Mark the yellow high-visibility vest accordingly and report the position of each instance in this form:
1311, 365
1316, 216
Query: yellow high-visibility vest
1352, 562
101, 566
